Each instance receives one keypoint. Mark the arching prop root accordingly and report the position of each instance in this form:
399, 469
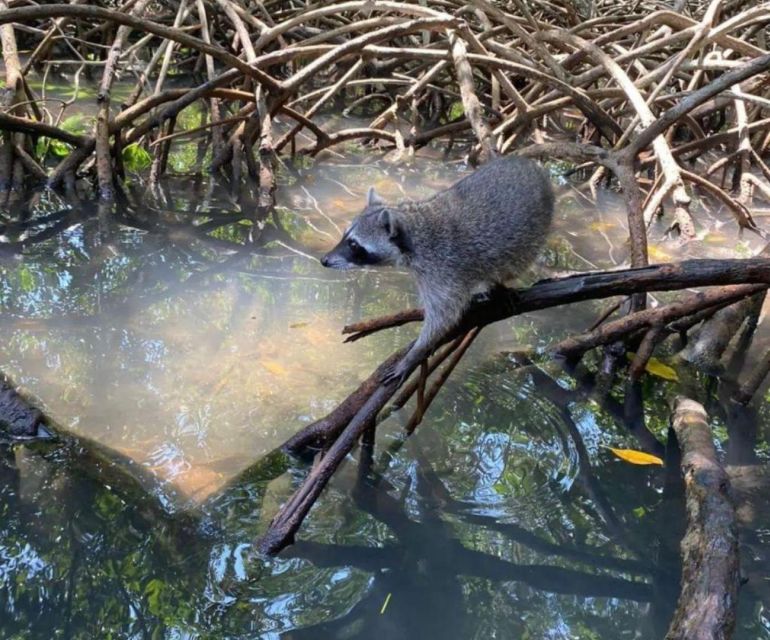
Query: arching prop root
473, 74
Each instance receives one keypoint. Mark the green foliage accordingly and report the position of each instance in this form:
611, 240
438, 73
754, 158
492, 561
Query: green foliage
136, 158
153, 592
56, 147
456, 110
79, 124
181, 158
26, 279
191, 117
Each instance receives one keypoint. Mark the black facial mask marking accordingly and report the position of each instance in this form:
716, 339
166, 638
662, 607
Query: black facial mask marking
355, 253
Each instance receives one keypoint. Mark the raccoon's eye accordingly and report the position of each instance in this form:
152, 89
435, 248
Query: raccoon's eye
353, 244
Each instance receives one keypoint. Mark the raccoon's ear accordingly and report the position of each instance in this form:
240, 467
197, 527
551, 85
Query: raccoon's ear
390, 221
372, 198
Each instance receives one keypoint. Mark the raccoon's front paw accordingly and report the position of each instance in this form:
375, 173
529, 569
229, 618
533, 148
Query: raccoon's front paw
396, 373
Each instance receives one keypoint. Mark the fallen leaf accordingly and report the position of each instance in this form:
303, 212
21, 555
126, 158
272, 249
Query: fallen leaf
636, 457
658, 254
656, 368
715, 238
275, 368
601, 226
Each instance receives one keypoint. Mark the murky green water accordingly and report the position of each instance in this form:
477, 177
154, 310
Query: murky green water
179, 334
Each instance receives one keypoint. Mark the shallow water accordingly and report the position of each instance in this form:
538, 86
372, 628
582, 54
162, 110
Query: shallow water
195, 353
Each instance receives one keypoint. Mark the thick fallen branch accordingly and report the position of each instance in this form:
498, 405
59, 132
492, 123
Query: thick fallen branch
710, 577
321, 431
360, 409
289, 518
588, 286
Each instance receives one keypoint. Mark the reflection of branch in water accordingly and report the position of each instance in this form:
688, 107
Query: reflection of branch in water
591, 486
428, 555
71, 217
158, 235
579, 553
561, 398
30, 223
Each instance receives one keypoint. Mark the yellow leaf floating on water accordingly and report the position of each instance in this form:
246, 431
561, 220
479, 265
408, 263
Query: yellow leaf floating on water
715, 238
275, 367
656, 368
601, 226
658, 254
636, 457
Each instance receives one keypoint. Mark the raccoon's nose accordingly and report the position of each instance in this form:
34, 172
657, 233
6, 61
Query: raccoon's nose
325, 261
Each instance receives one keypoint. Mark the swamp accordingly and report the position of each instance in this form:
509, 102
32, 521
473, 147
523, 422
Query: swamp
196, 440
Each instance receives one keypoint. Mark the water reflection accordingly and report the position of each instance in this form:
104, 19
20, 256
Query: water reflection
191, 338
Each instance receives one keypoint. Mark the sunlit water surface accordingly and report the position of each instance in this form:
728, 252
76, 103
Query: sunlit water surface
148, 331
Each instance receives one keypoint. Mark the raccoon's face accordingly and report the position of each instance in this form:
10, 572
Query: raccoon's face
376, 237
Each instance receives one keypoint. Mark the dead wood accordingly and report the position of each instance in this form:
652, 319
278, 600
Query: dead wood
710, 576
587, 286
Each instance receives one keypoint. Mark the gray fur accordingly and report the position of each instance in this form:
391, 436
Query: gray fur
481, 232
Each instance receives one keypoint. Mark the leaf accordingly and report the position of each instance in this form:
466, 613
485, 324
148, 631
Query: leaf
658, 254
136, 157
456, 110
601, 226
57, 147
275, 368
656, 368
26, 279
633, 456
77, 124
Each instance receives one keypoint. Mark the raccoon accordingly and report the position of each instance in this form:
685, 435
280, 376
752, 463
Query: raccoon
480, 233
